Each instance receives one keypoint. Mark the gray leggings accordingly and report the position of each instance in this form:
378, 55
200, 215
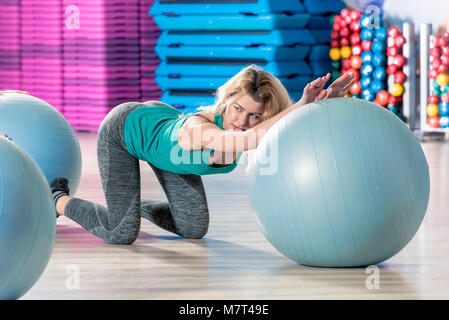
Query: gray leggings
186, 213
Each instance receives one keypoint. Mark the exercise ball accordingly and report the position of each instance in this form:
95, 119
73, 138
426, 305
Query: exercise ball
339, 183
44, 133
27, 221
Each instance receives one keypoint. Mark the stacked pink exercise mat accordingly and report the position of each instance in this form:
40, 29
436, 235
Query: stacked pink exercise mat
84, 57
149, 33
41, 40
101, 60
10, 57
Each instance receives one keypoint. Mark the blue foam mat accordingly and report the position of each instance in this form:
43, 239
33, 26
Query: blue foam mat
190, 103
263, 53
228, 69
237, 38
212, 83
319, 22
321, 35
323, 6
209, 7
319, 52
233, 22
320, 68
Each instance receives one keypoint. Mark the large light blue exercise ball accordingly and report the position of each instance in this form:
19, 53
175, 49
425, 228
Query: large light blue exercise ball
339, 183
27, 221
44, 133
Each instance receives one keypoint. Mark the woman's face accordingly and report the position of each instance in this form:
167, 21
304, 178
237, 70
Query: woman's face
242, 112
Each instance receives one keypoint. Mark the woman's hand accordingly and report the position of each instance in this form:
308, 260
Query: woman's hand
341, 86
13, 91
2, 135
338, 88
314, 90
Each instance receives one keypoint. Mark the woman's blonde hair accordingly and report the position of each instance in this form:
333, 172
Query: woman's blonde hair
261, 85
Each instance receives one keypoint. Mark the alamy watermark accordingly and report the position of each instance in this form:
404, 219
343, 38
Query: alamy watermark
72, 282
373, 280
72, 20
373, 13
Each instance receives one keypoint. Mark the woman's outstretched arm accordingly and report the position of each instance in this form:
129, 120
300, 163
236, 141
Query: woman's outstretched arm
201, 134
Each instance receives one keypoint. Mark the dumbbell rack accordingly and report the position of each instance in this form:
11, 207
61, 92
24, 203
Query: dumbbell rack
425, 83
405, 49
409, 52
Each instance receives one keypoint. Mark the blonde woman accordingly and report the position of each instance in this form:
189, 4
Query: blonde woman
180, 149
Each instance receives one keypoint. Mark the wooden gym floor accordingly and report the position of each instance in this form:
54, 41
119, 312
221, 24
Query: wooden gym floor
234, 260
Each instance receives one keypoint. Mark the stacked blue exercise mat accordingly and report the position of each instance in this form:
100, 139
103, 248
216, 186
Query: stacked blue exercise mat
320, 26
149, 61
204, 43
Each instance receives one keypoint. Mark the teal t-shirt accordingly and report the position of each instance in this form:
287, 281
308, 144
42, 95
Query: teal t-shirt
151, 134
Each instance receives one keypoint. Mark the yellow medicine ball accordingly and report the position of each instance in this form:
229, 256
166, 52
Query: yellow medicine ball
432, 110
346, 52
442, 79
397, 90
335, 54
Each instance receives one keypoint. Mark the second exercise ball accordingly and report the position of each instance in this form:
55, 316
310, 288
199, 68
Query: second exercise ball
324, 190
44, 133
27, 221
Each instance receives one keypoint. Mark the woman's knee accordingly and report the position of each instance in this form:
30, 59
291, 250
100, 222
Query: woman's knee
122, 241
122, 237
193, 232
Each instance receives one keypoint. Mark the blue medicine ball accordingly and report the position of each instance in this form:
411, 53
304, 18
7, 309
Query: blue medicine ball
27, 221
377, 85
328, 195
367, 34
379, 74
381, 34
44, 133
366, 69
367, 94
379, 59
366, 21
366, 57
365, 82
378, 46
443, 108
444, 121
